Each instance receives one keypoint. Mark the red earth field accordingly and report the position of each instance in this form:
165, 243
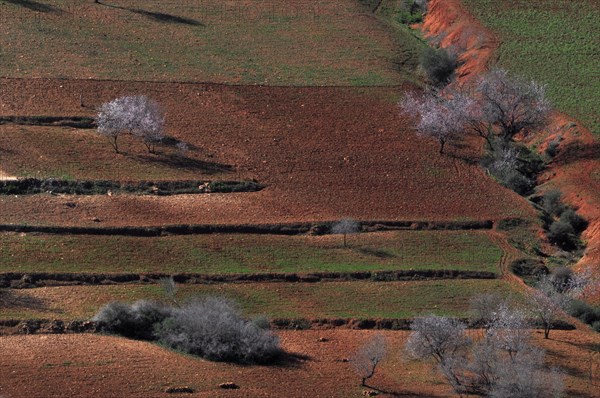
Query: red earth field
323, 153
92, 365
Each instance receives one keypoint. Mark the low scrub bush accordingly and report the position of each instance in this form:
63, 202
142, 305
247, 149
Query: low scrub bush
584, 312
553, 148
570, 217
552, 203
513, 171
528, 267
134, 321
439, 65
562, 234
214, 329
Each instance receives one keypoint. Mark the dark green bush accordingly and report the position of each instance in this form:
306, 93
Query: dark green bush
570, 217
528, 267
552, 148
134, 321
406, 17
439, 65
584, 312
562, 234
552, 203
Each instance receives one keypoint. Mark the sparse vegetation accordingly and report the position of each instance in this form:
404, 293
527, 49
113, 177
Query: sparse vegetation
502, 363
211, 327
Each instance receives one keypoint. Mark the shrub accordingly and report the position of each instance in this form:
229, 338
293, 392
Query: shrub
505, 165
439, 65
528, 267
214, 329
578, 223
552, 204
562, 234
135, 321
584, 312
552, 148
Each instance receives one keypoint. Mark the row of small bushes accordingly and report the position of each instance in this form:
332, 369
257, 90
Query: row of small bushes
64, 121
38, 279
211, 327
562, 224
31, 186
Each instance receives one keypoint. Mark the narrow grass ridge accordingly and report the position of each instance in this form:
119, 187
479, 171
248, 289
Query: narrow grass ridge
32, 186
21, 280
10, 327
316, 228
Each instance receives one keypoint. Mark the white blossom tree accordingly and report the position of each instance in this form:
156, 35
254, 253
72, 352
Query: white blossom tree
136, 115
438, 116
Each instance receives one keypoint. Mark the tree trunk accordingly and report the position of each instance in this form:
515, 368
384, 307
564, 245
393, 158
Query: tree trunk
442, 144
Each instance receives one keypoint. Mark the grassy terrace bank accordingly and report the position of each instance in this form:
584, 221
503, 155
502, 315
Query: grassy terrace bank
275, 300
246, 253
554, 42
276, 43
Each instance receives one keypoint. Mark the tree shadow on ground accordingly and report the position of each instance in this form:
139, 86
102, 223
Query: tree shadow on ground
289, 360
379, 253
173, 142
181, 162
35, 6
158, 16
576, 151
9, 300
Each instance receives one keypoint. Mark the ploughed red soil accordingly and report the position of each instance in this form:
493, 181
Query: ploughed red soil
94, 365
576, 169
324, 153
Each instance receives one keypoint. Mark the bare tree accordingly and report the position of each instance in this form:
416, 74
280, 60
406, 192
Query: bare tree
439, 117
484, 307
366, 359
136, 115
436, 337
513, 105
443, 339
547, 303
346, 226
525, 376
582, 283
509, 330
